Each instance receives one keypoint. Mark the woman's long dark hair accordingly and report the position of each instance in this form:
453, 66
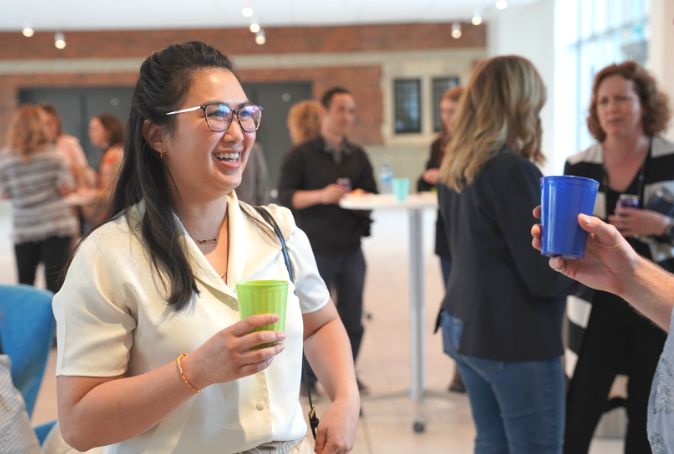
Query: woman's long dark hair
163, 82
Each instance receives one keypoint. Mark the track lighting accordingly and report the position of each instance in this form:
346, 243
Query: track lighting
59, 41
260, 38
456, 30
501, 4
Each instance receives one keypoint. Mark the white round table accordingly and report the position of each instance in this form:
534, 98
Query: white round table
414, 204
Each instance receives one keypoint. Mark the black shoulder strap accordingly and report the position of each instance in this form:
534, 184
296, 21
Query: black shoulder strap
269, 219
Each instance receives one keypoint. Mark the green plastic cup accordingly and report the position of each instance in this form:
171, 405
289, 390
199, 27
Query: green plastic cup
263, 297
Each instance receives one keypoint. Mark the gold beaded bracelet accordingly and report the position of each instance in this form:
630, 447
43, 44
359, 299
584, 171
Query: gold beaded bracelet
182, 374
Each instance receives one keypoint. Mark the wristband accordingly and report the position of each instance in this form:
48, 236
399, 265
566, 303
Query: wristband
182, 374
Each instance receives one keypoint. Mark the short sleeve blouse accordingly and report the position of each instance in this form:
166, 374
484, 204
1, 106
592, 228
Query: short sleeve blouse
112, 319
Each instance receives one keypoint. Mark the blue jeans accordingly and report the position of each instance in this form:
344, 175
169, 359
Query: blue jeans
518, 406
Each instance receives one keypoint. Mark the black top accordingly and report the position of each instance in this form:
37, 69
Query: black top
510, 300
312, 165
434, 161
656, 174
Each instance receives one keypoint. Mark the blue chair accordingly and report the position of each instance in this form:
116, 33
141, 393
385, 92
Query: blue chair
26, 333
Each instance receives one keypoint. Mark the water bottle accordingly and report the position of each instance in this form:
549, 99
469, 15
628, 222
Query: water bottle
386, 178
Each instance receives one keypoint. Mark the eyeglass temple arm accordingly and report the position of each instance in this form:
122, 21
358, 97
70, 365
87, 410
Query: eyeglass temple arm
189, 109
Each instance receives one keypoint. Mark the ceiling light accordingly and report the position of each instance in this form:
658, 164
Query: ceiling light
59, 41
456, 30
28, 32
254, 27
476, 19
260, 39
501, 4
247, 12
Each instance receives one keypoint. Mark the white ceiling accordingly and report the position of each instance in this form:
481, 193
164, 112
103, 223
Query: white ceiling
141, 14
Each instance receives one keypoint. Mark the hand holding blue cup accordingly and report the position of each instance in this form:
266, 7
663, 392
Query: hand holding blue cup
563, 198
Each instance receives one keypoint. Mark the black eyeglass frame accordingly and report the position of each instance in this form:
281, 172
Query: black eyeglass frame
234, 114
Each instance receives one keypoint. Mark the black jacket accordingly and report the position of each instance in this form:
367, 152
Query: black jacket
510, 300
434, 161
308, 166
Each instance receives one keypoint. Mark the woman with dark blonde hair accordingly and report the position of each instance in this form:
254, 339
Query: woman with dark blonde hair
304, 120
632, 162
68, 146
429, 178
502, 313
35, 177
427, 182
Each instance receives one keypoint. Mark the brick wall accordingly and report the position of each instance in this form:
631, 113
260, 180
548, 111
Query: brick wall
120, 44
363, 79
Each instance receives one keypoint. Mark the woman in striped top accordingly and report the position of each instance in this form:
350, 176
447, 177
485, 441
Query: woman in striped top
627, 113
35, 177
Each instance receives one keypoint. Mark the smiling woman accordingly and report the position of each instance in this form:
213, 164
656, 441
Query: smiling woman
148, 322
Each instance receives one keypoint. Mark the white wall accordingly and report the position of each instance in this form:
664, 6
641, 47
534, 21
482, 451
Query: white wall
528, 30
660, 50
532, 31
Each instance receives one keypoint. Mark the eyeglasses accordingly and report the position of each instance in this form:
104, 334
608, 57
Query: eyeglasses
219, 116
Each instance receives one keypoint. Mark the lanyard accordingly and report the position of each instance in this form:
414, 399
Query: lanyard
641, 176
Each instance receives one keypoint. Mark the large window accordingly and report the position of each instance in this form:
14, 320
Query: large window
605, 32
407, 102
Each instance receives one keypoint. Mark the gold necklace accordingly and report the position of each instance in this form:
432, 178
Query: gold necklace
213, 240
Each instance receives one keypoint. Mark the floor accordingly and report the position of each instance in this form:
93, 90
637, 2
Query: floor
388, 414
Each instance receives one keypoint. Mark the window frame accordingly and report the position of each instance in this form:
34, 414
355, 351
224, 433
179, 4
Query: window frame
398, 82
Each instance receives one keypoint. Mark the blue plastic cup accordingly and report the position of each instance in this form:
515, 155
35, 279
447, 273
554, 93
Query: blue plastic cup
563, 198
401, 188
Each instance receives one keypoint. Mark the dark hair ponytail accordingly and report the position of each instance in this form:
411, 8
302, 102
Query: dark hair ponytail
163, 82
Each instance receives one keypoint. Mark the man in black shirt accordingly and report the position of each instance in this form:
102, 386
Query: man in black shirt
315, 175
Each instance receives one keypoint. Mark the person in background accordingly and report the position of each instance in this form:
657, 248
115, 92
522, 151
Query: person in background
627, 113
33, 174
76, 161
502, 313
153, 356
68, 146
304, 121
106, 133
428, 181
612, 265
254, 187
310, 184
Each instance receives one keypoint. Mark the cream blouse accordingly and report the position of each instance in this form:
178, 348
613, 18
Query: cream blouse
112, 319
